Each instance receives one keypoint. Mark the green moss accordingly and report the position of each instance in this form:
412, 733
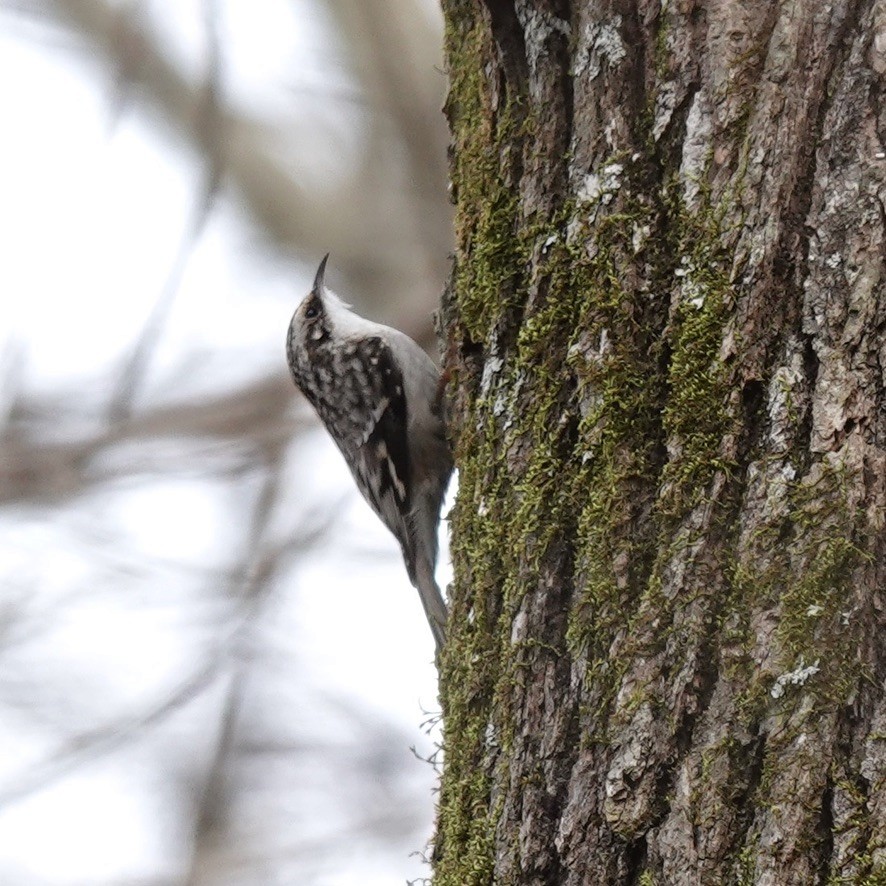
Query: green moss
697, 416
645, 390
614, 460
483, 172
662, 54
877, 877
470, 668
804, 567
469, 672
495, 266
854, 826
504, 521
746, 864
590, 352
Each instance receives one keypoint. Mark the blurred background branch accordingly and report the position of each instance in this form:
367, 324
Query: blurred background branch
386, 220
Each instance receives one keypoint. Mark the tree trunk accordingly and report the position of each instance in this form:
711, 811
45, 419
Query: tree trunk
666, 321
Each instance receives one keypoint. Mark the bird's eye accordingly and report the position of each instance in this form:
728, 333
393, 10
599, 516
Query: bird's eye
312, 310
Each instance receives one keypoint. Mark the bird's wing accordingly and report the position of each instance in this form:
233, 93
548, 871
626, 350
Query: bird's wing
371, 431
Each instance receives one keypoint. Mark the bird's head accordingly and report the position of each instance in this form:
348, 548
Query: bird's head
320, 316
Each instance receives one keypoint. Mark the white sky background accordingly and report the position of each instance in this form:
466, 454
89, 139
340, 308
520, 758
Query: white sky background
114, 596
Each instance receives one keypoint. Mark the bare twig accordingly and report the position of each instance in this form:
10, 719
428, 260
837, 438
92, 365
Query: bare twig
305, 215
257, 415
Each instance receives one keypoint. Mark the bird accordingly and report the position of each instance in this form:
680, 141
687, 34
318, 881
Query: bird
378, 394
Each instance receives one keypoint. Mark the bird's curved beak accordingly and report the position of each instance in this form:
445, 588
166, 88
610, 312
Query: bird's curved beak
317, 288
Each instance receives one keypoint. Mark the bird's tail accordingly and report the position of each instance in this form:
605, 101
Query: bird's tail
431, 600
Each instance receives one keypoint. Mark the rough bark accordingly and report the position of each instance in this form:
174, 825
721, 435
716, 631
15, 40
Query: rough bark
666, 326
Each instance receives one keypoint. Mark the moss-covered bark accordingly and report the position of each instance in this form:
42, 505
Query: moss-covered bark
670, 424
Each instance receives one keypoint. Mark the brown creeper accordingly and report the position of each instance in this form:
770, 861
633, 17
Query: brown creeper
375, 390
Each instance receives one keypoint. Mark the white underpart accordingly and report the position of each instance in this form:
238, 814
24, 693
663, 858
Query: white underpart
346, 322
